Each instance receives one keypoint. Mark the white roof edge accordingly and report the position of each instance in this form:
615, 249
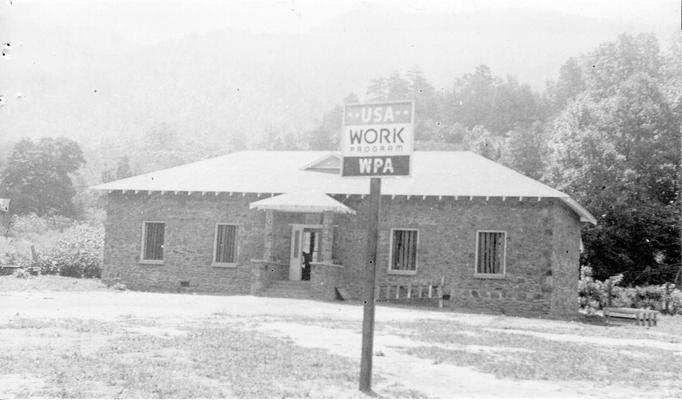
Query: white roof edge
585, 216
322, 158
327, 204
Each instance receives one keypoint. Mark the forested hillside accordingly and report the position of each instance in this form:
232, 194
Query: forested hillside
607, 132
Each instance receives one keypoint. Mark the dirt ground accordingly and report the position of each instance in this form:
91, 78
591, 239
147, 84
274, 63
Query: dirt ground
334, 328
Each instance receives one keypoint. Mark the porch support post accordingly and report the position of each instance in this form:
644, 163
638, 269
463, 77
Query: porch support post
269, 235
327, 237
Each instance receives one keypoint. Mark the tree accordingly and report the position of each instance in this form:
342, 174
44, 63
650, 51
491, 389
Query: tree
472, 97
616, 148
615, 62
525, 150
37, 176
483, 142
428, 120
619, 156
121, 171
454, 133
498, 105
377, 90
393, 87
568, 86
414, 86
123, 168
326, 135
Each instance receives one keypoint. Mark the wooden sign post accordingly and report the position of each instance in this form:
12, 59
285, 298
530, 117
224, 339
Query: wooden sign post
377, 140
370, 283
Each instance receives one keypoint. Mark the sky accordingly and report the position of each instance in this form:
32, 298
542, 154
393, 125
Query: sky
150, 21
146, 52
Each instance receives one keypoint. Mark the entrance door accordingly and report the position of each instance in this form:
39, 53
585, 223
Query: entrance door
305, 245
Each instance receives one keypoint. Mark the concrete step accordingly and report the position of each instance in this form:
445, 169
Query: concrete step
302, 296
286, 294
288, 289
289, 284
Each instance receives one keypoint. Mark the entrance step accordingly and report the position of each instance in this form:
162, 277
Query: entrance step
288, 289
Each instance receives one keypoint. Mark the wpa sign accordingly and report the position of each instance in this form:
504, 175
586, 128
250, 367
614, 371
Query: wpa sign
378, 139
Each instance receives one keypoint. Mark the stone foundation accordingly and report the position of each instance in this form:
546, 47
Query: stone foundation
324, 279
265, 272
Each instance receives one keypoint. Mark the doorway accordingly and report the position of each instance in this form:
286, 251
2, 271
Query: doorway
305, 248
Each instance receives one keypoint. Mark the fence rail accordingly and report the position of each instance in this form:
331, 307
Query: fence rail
412, 291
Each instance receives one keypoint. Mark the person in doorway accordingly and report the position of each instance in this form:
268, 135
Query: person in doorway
307, 258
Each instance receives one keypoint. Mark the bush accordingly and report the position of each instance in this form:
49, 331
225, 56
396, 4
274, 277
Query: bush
78, 254
595, 295
21, 273
59, 245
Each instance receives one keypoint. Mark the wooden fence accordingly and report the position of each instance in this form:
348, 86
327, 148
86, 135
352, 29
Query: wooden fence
412, 291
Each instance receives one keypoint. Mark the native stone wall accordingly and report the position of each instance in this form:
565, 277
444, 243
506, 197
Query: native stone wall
263, 273
541, 262
188, 245
325, 278
447, 240
565, 262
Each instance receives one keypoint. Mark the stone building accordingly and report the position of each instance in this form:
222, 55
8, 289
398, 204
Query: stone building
258, 222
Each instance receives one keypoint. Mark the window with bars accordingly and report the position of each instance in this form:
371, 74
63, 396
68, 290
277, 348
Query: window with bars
152, 244
404, 250
225, 246
490, 253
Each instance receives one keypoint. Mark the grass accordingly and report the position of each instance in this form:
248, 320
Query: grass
206, 362
509, 355
223, 354
58, 283
535, 358
669, 329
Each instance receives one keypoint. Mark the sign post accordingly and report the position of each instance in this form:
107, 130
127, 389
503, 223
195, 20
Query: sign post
370, 282
377, 140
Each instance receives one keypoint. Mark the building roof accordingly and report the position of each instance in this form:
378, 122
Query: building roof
310, 202
434, 173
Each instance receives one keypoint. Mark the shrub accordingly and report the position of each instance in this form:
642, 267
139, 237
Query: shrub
77, 254
594, 294
21, 273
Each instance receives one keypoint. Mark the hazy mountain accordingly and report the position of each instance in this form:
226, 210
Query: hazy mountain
101, 88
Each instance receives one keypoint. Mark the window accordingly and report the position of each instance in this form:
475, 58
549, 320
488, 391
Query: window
490, 253
403, 251
152, 241
225, 245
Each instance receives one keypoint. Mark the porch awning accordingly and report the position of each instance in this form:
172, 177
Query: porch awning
308, 202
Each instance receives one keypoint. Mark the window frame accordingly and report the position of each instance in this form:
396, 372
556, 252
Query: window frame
482, 275
392, 271
214, 263
142, 244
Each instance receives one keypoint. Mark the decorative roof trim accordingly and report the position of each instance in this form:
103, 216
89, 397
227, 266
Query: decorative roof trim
314, 164
585, 216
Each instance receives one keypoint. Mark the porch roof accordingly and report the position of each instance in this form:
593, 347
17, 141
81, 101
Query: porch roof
309, 202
